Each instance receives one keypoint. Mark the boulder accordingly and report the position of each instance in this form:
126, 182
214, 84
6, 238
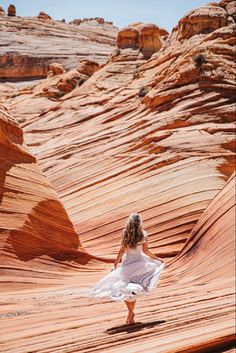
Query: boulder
128, 37
149, 39
58, 85
55, 69
88, 67
11, 11
145, 37
202, 21
44, 16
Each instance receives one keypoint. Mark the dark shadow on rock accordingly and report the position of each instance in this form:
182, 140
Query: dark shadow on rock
137, 326
47, 231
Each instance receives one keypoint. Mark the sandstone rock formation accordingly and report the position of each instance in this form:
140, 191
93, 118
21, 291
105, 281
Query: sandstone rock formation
55, 69
100, 20
203, 20
44, 16
2, 11
58, 86
14, 65
154, 135
145, 37
11, 11
88, 67
34, 225
191, 311
34, 44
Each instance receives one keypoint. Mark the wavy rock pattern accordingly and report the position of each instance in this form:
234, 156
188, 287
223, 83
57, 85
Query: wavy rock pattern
27, 54
166, 154
192, 310
36, 233
155, 136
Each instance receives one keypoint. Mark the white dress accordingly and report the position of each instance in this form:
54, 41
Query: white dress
137, 275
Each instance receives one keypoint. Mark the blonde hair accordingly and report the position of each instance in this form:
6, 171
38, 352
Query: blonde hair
133, 233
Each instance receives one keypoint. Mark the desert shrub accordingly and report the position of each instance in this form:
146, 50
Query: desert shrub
143, 91
199, 60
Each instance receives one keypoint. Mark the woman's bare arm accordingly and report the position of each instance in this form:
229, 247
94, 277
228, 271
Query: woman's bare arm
119, 256
149, 253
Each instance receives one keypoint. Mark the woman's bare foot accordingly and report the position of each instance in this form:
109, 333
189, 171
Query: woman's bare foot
127, 320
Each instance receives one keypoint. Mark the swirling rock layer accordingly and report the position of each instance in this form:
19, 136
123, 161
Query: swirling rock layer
192, 310
35, 43
155, 136
36, 234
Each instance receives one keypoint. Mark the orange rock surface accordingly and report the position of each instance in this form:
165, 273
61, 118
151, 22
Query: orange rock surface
145, 37
151, 132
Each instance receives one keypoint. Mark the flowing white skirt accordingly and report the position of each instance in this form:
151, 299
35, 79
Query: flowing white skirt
137, 275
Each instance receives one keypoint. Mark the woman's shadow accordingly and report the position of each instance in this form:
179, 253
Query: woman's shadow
137, 326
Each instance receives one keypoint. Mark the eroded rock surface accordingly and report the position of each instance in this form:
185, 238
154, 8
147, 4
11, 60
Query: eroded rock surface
152, 133
30, 44
145, 37
36, 233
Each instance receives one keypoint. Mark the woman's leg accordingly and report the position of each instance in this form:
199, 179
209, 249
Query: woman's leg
130, 309
131, 319
133, 303
130, 306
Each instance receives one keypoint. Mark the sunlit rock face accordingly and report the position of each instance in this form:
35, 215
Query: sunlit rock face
148, 132
30, 44
44, 16
145, 37
11, 11
202, 21
36, 232
155, 136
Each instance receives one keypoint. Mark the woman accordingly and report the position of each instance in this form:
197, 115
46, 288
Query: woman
139, 272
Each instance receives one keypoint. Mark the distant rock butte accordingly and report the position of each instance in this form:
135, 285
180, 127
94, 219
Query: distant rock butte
149, 128
44, 16
11, 11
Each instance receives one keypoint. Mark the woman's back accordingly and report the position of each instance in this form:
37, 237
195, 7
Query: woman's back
138, 246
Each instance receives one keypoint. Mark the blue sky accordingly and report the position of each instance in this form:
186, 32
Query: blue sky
164, 13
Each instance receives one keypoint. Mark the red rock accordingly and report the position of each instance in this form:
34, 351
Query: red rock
105, 150
203, 20
149, 39
163, 32
44, 16
30, 239
145, 37
128, 37
2, 11
88, 67
11, 11
15, 65
55, 69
